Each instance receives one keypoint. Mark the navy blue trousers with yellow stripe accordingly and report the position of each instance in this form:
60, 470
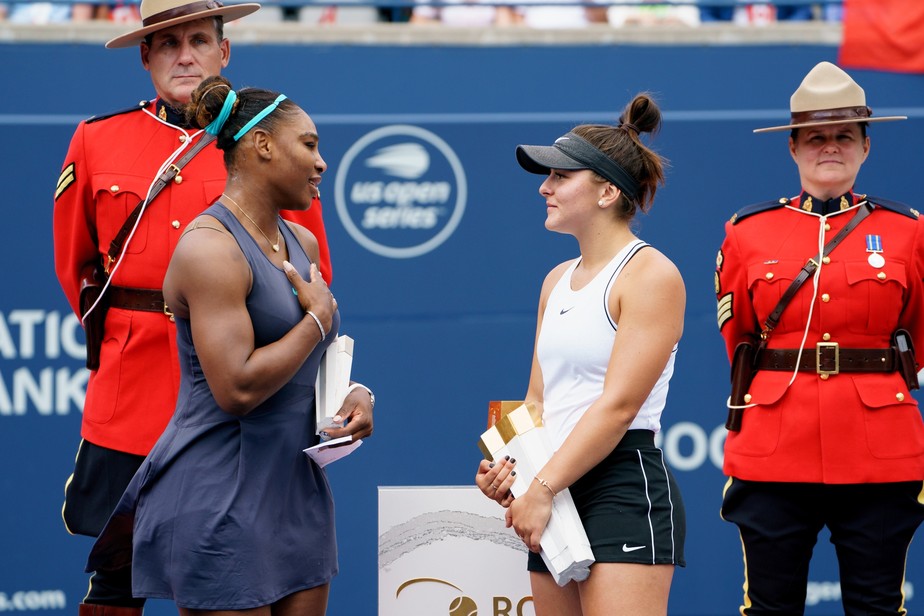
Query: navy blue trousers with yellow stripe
871, 527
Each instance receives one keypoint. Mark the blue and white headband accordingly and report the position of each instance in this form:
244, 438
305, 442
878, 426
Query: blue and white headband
254, 120
215, 127
218, 123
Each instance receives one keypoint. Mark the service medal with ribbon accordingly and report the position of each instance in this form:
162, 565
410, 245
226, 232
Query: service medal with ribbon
874, 248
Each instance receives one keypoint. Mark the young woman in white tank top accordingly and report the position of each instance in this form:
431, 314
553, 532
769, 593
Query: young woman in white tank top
608, 327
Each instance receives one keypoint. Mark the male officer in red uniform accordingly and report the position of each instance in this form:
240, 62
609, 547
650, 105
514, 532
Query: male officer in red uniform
110, 166
829, 433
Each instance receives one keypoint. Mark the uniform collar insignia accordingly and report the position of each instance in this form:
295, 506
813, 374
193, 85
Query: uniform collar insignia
820, 206
170, 115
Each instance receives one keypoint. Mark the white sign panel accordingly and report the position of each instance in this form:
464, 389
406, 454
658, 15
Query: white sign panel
444, 551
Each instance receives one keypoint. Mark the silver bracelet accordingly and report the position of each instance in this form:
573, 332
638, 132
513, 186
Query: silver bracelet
361, 386
318, 321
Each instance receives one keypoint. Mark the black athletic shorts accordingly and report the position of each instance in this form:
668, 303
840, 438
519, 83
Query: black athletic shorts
630, 506
92, 492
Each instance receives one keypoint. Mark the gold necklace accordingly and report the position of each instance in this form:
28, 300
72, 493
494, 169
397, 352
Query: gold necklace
274, 246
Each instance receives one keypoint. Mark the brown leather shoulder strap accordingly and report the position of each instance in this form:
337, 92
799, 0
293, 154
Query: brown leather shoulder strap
115, 247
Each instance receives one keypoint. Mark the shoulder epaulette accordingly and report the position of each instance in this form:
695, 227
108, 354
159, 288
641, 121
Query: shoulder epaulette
136, 107
894, 206
757, 208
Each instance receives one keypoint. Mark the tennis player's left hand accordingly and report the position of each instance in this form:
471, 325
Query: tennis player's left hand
529, 515
357, 413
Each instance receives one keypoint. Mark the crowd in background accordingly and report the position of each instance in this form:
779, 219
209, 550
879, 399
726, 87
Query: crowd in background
62, 12
620, 15
467, 13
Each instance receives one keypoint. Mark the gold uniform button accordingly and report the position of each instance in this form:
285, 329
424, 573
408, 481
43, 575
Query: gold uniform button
769, 275
825, 297
899, 396
176, 224
881, 275
827, 227
747, 398
826, 260
823, 377
182, 138
826, 337
114, 188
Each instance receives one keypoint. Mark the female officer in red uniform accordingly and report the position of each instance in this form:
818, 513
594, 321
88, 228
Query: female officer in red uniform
828, 433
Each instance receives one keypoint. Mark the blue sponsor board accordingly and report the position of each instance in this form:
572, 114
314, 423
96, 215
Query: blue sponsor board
439, 251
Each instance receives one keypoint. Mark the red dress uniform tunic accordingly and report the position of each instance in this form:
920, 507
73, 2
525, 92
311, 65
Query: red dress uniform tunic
850, 427
110, 165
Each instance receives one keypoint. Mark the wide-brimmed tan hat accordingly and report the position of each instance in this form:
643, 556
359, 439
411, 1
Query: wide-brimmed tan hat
828, 95
159, 14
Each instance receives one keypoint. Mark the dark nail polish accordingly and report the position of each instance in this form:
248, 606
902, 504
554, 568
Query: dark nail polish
506, 457
513, 460
513, 473
491, 465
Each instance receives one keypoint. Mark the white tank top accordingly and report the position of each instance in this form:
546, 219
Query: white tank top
574, 349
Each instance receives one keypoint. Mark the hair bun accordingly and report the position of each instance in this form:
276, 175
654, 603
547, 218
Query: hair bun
207, 101
641, 115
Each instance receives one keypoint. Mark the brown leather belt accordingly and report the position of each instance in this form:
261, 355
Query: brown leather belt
829, 358
147, 300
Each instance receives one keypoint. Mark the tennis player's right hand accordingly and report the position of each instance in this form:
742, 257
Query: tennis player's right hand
496, 478
313, 294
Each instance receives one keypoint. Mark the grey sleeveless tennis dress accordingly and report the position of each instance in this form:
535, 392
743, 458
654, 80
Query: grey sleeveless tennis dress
226, 512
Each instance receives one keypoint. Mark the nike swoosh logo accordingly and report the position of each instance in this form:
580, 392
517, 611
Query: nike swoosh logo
626, 548
564, 310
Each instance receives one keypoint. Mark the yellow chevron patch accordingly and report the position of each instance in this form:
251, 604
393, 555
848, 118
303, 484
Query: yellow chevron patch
66, 178
724, 312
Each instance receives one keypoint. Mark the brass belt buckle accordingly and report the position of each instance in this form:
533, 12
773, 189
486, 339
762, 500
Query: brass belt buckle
824, 353
176, 174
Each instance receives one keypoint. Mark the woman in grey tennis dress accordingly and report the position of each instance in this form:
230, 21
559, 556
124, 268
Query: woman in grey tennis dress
227, 512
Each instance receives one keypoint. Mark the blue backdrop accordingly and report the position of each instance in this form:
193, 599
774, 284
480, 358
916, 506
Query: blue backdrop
440, 291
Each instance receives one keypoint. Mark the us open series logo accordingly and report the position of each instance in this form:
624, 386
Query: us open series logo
400, 191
